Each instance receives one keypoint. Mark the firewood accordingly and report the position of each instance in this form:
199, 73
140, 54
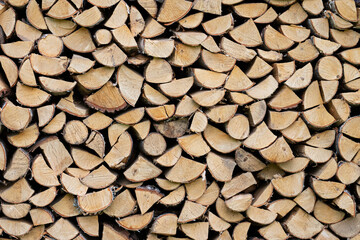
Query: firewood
327, 215
306, 200
153, 145
8, 20
197, 230
194, 145
103, 37
258, 69
346, 228
241, 231
270, 172
219, 25
131, 117
208, 79
146, 198
177, 87
43, 174
186, 107
56, 124
15, 211
295, 33
10, 111
77, 172
327, 189
180, 171
240, 202
257, 139
152, 29
238, 184
250, 10
141, 170
210, 44
161, 113
302, 225
326, 234
26, 32
304, 52
296, 180
142, 129
166, 185
95, 201
62, 9
18, 192
268, 17
191, 211
348, 172
174, 198
325, 171
210, 195
15, 227
65, 206
257, 112
195, 189
336, 21
118, 209
192, 21
110, 56
165, 224
18, 49
346, 39
281, 120
38, 62
240, 98
274, 230
96, 142
97, 121
110, 233
247, 34
59, 27
263, 89
89, 224
79, 64
89, 17
297, 131
346, 202
226, 213
44, 198
282, 206
152, 96
313, 7
248, 162
219, 140
56, 230
221, 168
56, 86
92, 179
25, 138
262, 195
270, 56
94, 78
274, 40
216, 223
10, 69
260, 216
136, 222
3, 156
326, 47
295, 165
41, 216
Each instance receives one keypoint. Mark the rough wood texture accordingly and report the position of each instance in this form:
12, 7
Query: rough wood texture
179, 119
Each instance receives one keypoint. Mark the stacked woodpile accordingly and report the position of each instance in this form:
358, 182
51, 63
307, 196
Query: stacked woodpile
178, 119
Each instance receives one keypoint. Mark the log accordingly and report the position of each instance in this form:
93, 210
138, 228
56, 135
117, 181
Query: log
180, 119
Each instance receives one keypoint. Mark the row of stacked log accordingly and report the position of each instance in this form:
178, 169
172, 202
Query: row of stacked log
173, 119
